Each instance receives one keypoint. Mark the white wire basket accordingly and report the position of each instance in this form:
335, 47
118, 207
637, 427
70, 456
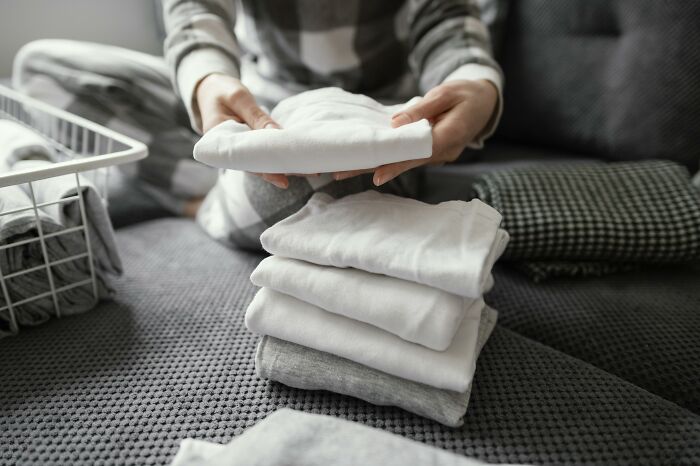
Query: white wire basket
83, 147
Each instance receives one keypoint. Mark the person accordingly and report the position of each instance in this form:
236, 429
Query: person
233, 59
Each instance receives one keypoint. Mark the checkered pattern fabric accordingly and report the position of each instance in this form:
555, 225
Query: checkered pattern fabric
129, 92
588, 213
542, 270
363, 46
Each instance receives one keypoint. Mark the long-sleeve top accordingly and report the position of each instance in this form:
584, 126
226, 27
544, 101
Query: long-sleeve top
388, 49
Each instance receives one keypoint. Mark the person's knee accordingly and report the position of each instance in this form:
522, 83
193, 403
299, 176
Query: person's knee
30, 57
242, 205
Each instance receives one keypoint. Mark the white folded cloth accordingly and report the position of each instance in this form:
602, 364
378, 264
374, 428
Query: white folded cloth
288, 437
451, 246
323, 130
20, 143
287, 318
417, 313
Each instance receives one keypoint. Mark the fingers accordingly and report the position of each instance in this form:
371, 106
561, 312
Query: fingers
386, 173
281, 180
245, 106
277, 179
450, 134
337, 176
433, 104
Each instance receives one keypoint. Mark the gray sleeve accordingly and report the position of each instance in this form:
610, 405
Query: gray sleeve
199, 41
445, 36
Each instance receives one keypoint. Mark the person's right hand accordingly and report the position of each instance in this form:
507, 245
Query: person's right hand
220, 98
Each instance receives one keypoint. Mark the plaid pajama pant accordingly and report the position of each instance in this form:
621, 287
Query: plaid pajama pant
131, 92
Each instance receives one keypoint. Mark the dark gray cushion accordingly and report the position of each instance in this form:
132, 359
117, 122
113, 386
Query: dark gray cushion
171, 358
612, 78
643, 326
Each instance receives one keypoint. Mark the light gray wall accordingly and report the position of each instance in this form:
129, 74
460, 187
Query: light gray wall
127, 23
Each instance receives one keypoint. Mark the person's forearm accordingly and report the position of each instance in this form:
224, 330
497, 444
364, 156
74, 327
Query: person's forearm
199, 42
448, 42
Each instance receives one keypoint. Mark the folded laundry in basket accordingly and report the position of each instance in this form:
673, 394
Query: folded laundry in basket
323, 130
282, 316
309, 369
451, 246
414, 312
20, 227
592, 218
102, 239
288, 437
23, 265
20, 143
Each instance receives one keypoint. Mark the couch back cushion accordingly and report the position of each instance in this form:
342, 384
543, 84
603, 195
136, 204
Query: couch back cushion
618, 79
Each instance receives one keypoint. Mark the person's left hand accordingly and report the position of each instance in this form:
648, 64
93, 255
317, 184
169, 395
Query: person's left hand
458, 111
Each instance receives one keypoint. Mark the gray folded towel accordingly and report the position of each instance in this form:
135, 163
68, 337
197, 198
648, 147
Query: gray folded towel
21, 227
310, 369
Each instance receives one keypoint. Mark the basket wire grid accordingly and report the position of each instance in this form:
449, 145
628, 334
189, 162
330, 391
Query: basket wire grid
83, 148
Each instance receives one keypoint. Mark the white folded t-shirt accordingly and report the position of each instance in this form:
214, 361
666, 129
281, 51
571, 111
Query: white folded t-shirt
451, 246
287, 318
324, 130
417, 313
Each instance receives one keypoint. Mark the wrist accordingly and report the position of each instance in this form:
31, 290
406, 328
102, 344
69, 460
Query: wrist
204, 84
489, 91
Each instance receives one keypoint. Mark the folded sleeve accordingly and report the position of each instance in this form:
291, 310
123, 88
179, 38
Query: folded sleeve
448, 41
199, 41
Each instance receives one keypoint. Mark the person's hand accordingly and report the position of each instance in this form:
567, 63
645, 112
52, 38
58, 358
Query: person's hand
220, 98
458, 111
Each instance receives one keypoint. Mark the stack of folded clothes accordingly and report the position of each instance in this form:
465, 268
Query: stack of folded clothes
378, 297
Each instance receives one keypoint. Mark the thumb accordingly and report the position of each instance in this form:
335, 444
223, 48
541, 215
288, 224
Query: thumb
428, 107
252, 115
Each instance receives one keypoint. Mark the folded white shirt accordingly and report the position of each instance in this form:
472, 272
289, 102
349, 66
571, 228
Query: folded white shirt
417, 313
19, 143
323, 130
287, 318
451, 246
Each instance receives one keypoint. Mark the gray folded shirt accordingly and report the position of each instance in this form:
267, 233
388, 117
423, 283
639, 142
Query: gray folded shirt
309, 369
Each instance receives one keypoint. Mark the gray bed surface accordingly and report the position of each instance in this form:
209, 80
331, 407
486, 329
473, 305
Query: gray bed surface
170, 358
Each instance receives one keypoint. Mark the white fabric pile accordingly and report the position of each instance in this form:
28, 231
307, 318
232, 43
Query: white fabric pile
323, 130
386, 282
288, 437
